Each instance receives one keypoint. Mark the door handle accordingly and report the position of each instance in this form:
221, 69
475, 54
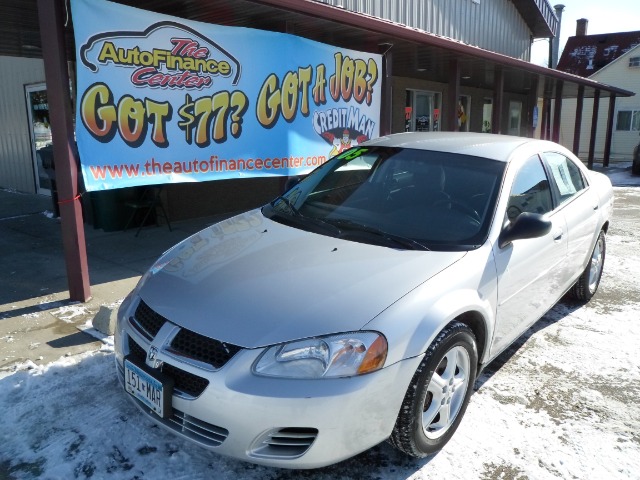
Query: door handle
557, 235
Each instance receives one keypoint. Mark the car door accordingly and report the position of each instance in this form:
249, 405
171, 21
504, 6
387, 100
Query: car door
578, 204
529, 271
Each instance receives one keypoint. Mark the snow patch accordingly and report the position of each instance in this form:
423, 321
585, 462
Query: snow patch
69, 312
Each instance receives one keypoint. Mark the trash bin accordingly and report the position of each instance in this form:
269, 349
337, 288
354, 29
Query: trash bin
109, 210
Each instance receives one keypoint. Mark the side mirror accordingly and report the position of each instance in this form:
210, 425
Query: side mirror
526, 225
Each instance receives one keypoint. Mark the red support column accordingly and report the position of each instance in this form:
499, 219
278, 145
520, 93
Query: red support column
51, 18
607, 142
386, 89
532, 106
451, 110
594, 129
545, 118
498, 94
578, 124
557, 111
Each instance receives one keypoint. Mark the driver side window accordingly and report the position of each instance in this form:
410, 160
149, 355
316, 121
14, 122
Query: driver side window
530, 191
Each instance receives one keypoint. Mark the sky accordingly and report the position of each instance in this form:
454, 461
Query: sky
604, 17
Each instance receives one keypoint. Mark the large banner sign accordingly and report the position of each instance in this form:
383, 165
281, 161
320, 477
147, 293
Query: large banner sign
164, 100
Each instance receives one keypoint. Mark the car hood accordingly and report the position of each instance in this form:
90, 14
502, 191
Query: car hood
254, 282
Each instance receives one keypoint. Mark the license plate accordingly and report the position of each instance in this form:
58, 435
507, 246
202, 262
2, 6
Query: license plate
151, 389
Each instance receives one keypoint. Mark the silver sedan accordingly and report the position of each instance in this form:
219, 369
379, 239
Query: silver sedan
361, 305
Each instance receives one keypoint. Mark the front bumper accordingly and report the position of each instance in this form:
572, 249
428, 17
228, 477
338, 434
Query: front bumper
287, 423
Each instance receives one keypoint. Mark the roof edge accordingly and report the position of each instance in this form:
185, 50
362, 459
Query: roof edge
396, 30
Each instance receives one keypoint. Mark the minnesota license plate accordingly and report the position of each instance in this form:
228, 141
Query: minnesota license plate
150, 389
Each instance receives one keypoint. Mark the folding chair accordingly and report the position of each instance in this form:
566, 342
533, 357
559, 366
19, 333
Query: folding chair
150, 201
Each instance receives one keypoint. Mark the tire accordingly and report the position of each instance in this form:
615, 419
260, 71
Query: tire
438, 394
635, 166
587, 284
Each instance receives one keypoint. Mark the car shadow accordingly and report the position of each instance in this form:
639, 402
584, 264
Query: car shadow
560, 310
381, 461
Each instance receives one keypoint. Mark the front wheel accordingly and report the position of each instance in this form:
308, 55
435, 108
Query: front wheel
438, 394
587, 284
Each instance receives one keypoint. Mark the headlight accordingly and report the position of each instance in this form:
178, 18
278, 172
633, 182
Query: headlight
342, 355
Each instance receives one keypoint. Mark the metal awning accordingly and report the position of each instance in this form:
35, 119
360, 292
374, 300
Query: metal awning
416, 53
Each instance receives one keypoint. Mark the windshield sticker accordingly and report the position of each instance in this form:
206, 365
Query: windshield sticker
352, 154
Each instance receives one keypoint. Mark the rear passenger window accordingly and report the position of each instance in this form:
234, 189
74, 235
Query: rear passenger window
530, 191
565, 174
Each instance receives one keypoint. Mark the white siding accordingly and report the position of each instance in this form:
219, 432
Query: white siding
494, 25
619, 74
16, 165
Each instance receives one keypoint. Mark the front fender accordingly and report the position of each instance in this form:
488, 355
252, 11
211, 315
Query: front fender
412, 323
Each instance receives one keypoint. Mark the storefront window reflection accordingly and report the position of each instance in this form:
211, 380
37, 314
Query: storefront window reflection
41, 142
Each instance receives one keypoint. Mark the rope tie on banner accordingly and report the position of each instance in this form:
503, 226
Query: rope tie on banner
69, 200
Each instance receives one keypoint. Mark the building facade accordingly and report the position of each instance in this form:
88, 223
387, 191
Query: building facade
455, 65
611, 59
501, 26
19, 169
625, 72
471, 73
419, 99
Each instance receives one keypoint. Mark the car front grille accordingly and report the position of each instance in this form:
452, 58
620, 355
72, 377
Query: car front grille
146, 321
204, 349
289, 442
206, 433
185, 382
186, 343
137, 352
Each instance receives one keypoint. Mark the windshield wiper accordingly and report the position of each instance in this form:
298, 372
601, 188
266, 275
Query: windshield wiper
345, 225
293, 215
292, 210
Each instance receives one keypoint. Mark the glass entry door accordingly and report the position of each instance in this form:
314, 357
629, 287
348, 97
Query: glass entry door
487, 112
423, 111
462, 113
41, 143
515, 117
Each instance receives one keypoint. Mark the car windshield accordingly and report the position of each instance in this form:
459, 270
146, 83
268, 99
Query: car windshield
396, 197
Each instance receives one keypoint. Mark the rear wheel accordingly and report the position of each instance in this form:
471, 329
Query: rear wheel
587, 284
635, 166
438, 394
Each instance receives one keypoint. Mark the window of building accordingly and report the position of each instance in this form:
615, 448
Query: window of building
422, 111
628, 120
515, 117
634, 62
487, 111
464, 107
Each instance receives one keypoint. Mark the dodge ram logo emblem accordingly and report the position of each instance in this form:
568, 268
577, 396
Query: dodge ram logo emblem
152, 356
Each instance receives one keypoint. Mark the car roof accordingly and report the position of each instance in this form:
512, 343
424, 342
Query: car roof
487, 145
